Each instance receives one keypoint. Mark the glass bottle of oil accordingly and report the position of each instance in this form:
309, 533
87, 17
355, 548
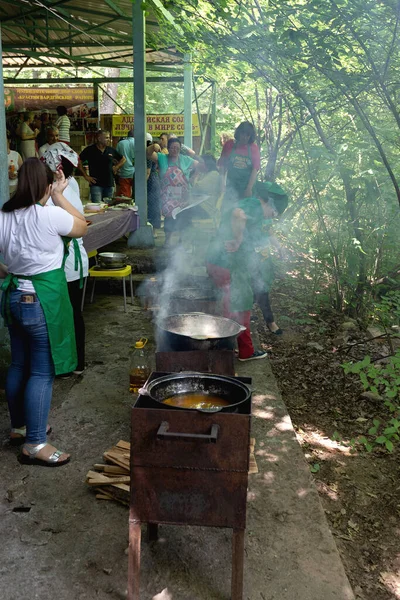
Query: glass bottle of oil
140, 366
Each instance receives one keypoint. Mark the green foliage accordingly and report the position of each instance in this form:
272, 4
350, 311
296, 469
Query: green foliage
385, 381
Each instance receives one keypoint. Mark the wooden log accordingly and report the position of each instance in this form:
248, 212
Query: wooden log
116, 459
107, 481
124, 445
111, 469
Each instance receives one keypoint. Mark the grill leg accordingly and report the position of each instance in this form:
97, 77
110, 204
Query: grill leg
134, 560
152, 532
237, 564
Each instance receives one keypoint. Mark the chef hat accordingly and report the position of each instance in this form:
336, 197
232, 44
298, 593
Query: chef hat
52, 156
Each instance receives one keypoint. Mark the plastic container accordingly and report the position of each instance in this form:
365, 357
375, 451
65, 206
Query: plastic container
11, 168
140, 366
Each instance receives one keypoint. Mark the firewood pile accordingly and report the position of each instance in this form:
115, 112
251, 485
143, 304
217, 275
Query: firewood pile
111, 481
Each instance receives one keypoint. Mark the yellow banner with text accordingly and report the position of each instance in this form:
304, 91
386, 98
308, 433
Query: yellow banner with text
156, 124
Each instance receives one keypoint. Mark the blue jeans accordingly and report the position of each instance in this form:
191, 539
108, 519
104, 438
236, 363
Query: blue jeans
97, 193
30, 376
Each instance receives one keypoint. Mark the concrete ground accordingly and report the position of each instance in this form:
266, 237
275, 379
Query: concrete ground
59, 542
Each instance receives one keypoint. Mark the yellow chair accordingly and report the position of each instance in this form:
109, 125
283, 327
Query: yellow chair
112, 274
92, 254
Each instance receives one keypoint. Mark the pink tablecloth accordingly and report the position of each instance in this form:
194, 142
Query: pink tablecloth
108, 227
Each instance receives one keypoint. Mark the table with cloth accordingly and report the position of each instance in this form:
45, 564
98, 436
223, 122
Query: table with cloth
108, 227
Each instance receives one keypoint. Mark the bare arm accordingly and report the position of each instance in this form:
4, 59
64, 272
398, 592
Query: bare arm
29, 136
20, 161
238, 226
152, 152
3, 271
79, 225
249, 190
119, 164
85, 175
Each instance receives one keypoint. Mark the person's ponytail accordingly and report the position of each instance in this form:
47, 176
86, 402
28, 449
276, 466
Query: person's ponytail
33, 180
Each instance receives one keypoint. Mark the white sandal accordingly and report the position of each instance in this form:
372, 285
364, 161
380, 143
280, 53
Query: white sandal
51, 461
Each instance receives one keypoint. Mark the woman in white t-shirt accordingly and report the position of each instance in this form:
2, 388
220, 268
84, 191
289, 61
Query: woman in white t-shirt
35, 304
60, 157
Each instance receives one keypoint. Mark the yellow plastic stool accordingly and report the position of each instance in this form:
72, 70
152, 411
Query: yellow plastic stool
112, 274
92, 254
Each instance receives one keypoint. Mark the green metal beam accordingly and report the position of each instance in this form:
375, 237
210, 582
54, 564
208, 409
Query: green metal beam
89, 80
115, 8
89, 44
46, 5
96, 28
4, 183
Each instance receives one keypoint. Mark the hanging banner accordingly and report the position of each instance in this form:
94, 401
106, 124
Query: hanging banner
40, 98
156, 125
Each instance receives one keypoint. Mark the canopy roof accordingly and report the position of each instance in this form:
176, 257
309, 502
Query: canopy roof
79, 33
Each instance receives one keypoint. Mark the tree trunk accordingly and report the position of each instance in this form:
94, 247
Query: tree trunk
356, 305
107, 105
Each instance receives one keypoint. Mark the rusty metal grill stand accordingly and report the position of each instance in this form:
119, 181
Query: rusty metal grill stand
188, 468
220, 362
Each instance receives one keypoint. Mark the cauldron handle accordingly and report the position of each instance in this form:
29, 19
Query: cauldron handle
163, 433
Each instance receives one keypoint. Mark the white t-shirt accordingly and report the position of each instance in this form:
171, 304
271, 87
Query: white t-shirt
13, 156
30, 240
43, 149
71, 193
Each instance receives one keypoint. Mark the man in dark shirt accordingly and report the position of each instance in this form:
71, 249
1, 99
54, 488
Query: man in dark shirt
104, 162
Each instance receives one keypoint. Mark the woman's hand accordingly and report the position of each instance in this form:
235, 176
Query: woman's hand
91, 180
59, 185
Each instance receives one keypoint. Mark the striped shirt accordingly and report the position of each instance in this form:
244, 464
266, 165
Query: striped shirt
63, 124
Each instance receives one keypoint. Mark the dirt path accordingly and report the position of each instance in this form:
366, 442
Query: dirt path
360, 492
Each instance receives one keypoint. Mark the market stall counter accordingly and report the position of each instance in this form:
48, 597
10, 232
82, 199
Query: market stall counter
109, 226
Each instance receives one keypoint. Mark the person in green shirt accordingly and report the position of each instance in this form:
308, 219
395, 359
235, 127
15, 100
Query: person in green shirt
239, 261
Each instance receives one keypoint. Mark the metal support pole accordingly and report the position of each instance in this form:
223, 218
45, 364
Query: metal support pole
4, 189
97, 102
187, 99
213, 131
142, 237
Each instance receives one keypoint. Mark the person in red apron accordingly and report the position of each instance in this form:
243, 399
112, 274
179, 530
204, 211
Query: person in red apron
239, 164
175, 170
35, 304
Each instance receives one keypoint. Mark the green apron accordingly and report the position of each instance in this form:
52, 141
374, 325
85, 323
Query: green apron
251, 263
52, 290
239, 171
